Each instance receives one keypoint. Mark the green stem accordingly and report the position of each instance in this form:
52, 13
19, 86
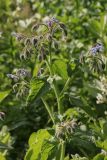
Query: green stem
48, 109
62, 150
60, 110
65, 86
50, 55
49, 65
58, 98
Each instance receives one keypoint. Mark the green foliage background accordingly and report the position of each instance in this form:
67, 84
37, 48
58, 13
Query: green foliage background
86, 22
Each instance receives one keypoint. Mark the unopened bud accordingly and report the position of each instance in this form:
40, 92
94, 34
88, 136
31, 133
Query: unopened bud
27, 41
34, 41
63, 27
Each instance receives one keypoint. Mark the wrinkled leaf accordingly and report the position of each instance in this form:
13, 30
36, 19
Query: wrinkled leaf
38, 88
60, 67
4, 94
99, 157
2, 157
35, 143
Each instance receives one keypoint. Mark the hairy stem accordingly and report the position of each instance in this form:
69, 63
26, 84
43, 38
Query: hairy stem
60, 110
48, 109
50, 55
65, 86
62, 150
49, 65
58, 98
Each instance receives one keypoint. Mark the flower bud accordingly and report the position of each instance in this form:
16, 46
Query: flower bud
27, 41
22, 72
34, 41
35, 27
50, 23
14, 77
62, 26
54, 20
49, 37
41, 70
41, 57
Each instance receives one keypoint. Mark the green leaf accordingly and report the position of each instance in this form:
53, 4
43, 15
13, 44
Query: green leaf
47, 147
71, 112
38, 88
18, 124
105, 130
105, 158
95, 27
32, 139
60, 67
99, 144
51, 131
66, 158
4, 94
105, 145
2, 157
99, 157
38, 137
82, 142
103, 22
5, 138
55, 153
35, 143
102, 145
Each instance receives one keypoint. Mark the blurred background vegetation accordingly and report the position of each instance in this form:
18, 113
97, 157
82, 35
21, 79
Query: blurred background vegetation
86, 22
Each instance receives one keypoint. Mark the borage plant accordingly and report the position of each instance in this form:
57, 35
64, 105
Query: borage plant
49, 83
44, 39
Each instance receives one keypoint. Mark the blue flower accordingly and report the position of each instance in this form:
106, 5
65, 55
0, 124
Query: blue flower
96, 48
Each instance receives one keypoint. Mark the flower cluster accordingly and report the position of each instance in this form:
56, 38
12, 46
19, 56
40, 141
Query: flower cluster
95, 61
43, 34
65, 128
22, 73
52, 21
97, 48
19, 74
77, 157
43, 38
21, 86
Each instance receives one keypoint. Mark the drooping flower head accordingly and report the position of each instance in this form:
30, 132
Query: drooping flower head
97, 48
